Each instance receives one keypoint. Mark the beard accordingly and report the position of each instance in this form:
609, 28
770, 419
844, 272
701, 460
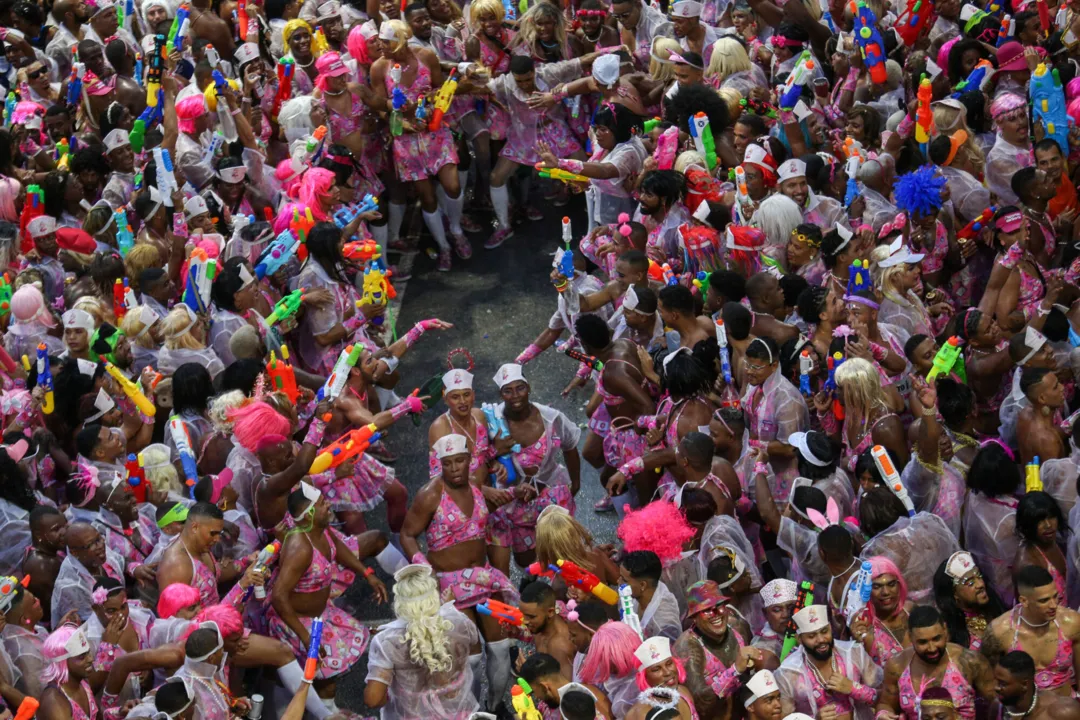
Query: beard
820, 656
934, 658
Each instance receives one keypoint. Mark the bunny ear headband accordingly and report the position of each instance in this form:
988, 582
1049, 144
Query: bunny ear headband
831, 516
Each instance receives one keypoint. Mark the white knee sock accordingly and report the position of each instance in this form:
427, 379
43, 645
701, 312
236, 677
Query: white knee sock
390, 559
380, 233
500, 199
397, 216
454, 208
435, 227
292, 677
498, 671
475, 664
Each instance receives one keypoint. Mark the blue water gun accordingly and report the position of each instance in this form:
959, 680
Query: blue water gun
277, 254
139, 69
797, 78
974, 80
509, 10
1074, 337
806, 366
219, 80
869, 40
180, 27
311, 665
833, 363
9, 109
74, 91
125, 238
422, 110
859, 594
497, 428
1048, 105
725, 354
45, 379
347, 214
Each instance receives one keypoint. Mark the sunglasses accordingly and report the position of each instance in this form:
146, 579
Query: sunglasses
35, 74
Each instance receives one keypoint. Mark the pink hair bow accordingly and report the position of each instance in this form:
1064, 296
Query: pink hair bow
896, 225
624, 225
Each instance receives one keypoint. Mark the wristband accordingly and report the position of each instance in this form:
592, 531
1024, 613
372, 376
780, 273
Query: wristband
878, 352
315, 432
787, 117
419, 559
829, 424
528, 354
369, 571
583, 371
355, 322
180, 228
392, 362
863, 693
413, 335
761, 468
633, 467
235, 112
851, 80
571, 165
906, 126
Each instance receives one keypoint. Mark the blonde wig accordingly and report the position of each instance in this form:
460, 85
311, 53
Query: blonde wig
732, 98
133, 327
177, 327
99, 223
92, 305
220, 407
948, 120
886, 280
416, 601
159, 469
481, 9
401, 32
688, 159
728, 57
139, 258
561, 537
527, 36
862, 388
660, 66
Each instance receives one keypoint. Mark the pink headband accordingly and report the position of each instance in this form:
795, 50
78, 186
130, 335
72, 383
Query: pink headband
1005, 104
572, 615
677, 58
781, 41
1003, 446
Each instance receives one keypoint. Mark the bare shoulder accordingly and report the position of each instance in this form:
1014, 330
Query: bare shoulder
1061, 707
439, 428
1069, 620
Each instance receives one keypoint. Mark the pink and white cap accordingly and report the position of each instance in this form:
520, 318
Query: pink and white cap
811, 619
508, 373
246, 53
116, 139
686, 9
755, 155
103, 403
1033, 341
195, 206
41, 226
233, 175
899, 253
457, 380
959, 564
778, 592
79, 319
1011, 222
791, 169
450, 445
762, 684
76, 645
653, 651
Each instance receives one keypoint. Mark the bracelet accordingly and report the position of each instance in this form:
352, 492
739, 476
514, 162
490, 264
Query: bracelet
633, 467
761, 468
571, 165
413, 335
369, 571
929, 412
315, 432
235, 112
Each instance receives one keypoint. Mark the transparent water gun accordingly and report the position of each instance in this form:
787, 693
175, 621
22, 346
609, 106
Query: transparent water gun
892, 477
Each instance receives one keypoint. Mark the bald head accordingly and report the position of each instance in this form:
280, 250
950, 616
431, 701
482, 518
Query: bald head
80, 534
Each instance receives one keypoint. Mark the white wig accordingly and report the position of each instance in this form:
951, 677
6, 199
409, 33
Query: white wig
220, 407
777, 216
416, 601
295, 117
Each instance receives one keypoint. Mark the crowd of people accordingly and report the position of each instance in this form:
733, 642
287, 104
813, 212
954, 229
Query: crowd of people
825, 304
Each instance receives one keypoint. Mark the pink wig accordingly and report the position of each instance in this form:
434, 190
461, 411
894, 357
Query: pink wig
357, 45
881, 565
28, 305
943, 53
227, 617
289, 178
316, 183
268, 441
254, 420
659, 527
175, 598
644, 685
611, 652
188, 109
54, 647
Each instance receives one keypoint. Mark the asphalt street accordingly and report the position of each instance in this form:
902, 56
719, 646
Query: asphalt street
499, 301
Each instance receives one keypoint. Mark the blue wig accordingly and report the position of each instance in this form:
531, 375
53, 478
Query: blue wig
919, 193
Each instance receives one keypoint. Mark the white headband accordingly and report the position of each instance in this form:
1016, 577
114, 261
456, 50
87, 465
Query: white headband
147, 317
798, 440
653, 651
778, 592
210, 624
1033, 340
764, 345
450, 445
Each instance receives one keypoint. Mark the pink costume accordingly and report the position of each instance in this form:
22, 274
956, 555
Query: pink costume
663, 243
205, 580
480, 448
495, 116
774, 410
469, 586
77, 712
722, 679
371, 159
514, 525
623, 443
318, 320
528, 127
1059, 579
799, 681
344, 638
609, 197
1058, 673
813, 272
419, 156
885, 646
963, 695
866, 440
990, 536
1032, 288
907, 313
917, 546
651, 23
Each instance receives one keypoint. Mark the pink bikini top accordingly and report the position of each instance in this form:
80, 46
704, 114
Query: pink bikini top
1057, 673
450, 527
318, 576
77, 712
953, 680
420, 85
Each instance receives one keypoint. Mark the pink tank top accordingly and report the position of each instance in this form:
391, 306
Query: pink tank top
321, 573
1057, 673
419, 87
77, 713
204, 580
450, 527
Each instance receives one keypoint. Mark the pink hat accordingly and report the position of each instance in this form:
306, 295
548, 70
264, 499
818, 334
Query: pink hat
943, 53
330, 64
1011, 222
1007, 103
1010, 57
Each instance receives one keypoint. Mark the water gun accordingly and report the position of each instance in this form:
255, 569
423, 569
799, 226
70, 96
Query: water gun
156, 71
74, 89
377, 289
136, 476
505, 614
1048, 105
701, 282
131, 390
497, 428
892, 477
627, 612
1005, 30
300, 226
45, 379
725, 354
804, 599
591, 361
346, 215
179, 30
1033, 476
361, 250
286, 307
806, 366
353, 443
668, 275
277, 254
859, 594
560, 174
651, 124
1044, 17
703, 139
397, 101
537, 570
973, 228
281, 374
123, 298
29, 706
200, 276
6, 292
8, 586
33, 206
242, 20
924, 116
286, 68
340, 374
311, 665
421, 109
975, 79
742, 190
913, 20
125, 238
832, 364
948, 359
443, 99
667, 147
63, 154
566, 260
166, 178
796, 79
313, 147
869, 39
262, 562
523, 705
854, 153
576, 575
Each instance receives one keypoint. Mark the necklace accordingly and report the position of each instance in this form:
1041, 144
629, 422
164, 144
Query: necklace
965, 440
595, 39
891, 634
976, 623
1031, 624
303, 65
1034, 701
817, 674
333, 94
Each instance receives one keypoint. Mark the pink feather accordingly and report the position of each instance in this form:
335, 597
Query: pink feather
660, 527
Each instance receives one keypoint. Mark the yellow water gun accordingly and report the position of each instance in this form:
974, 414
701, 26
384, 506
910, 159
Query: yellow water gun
524, 707
131, 390
443, 99
560, 174
1033, 476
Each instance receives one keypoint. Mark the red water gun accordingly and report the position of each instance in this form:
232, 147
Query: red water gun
33, 207
913, 20
973, 228
285, 69
505, 614
573, 574
136, 477
537, 570
281, 373
299, 226
242, 20
119, 307
361, 250
1044, 17
27, 708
